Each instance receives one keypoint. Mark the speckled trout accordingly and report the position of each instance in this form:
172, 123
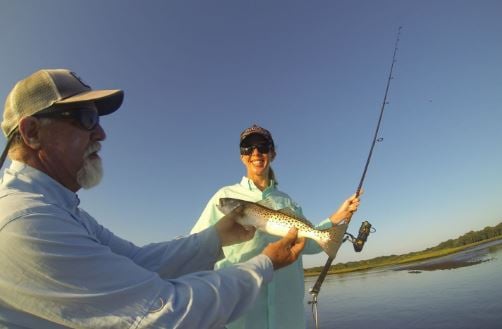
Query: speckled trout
279, 222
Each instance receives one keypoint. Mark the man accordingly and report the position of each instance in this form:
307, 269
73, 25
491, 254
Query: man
59, 268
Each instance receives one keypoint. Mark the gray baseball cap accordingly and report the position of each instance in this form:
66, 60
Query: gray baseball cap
47, 90
51, 87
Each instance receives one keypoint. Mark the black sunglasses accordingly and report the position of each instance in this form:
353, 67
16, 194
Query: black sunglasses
262, 148
87, 118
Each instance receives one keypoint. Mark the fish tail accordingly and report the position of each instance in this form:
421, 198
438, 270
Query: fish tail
333, 240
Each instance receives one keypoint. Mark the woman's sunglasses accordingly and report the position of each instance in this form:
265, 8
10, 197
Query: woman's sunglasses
262, 148
88, 119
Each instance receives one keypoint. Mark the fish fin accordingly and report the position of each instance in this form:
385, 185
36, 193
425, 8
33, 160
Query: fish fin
335, 240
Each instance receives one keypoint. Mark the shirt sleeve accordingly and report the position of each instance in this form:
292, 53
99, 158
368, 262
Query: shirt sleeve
196, 252
68, 278
216, 293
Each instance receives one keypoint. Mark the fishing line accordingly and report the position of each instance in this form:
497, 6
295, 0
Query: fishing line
366, 226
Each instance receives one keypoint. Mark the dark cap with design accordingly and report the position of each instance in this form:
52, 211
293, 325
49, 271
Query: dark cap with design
255, 129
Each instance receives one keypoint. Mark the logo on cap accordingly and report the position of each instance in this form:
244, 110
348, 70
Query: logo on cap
255, 129
80, 79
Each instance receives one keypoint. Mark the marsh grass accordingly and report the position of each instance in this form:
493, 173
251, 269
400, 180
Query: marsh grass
394, 260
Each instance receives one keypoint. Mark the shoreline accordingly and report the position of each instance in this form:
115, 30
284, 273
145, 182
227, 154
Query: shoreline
425, 256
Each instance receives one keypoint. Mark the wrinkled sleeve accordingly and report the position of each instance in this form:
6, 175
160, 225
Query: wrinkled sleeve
68, 278
212, 299
196, 252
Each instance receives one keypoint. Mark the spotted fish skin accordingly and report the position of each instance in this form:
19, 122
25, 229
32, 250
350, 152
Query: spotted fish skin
279, 222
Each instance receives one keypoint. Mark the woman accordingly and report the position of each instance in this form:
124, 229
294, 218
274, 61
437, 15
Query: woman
280, 304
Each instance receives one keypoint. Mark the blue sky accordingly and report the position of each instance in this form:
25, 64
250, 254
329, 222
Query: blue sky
196, 73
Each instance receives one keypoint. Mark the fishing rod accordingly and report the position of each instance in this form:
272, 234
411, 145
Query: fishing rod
366, 227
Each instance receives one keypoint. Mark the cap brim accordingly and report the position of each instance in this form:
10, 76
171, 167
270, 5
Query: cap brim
107, 101
243, 138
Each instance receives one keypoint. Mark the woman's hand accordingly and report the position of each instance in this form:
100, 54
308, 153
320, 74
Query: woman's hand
346, 210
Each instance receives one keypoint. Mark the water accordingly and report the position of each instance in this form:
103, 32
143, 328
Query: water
468, 295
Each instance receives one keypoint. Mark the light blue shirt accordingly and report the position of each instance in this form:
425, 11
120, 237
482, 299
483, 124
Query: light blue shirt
280, 303
59, 268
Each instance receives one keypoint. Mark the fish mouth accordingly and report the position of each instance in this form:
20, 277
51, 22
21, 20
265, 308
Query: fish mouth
227, 205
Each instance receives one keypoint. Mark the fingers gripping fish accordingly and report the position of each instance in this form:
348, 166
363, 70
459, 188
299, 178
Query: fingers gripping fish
279, 222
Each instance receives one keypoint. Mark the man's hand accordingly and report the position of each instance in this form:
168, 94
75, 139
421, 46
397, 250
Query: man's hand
231, 232
286, 250
346, 210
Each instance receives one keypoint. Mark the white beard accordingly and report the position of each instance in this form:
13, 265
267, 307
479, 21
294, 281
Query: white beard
91, 172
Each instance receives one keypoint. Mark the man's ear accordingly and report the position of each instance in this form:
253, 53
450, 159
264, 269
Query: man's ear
29, 128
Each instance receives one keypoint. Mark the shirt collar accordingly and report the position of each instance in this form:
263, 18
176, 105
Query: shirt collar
249, 184
25, 178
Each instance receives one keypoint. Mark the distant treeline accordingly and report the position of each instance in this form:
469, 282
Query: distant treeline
487, 233
471, 237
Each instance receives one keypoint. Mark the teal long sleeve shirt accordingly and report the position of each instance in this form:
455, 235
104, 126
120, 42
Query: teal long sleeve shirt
280, 303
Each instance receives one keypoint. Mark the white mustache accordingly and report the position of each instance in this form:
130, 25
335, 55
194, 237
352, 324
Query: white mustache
94, 147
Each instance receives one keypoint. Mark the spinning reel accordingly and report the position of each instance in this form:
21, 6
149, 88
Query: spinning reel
364, 231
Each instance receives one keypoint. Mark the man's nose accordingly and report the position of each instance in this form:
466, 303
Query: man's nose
99, 133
